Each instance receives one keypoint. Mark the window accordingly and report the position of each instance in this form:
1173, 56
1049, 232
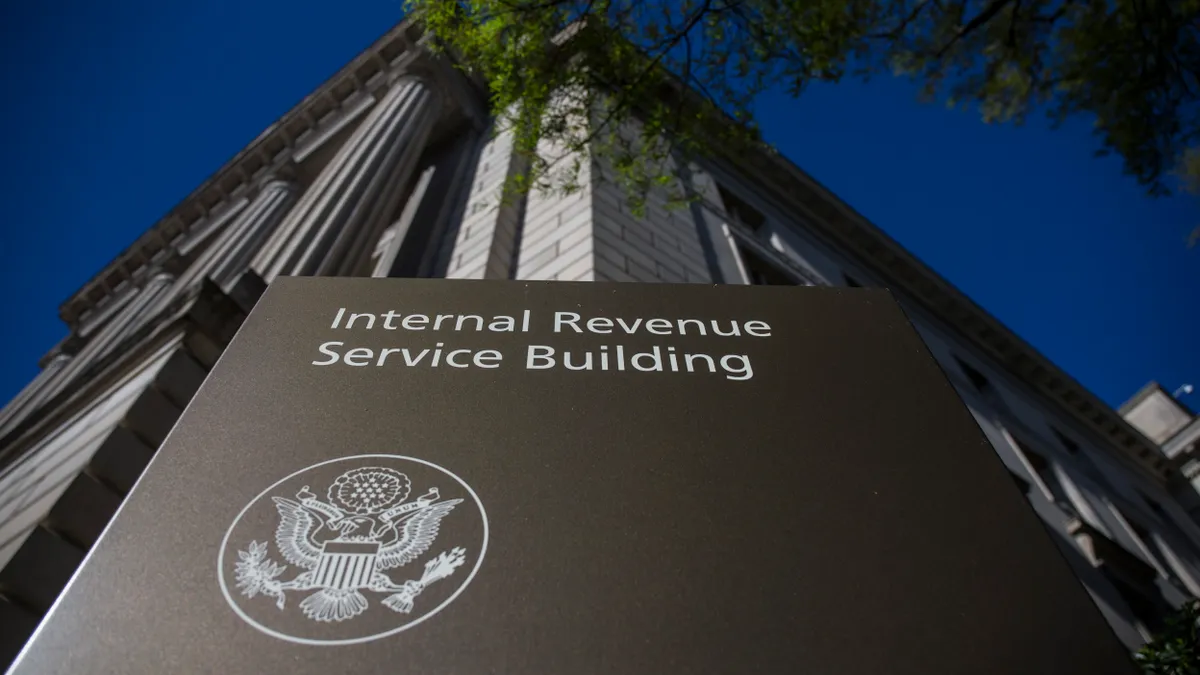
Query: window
852, 282
1068, 444
763, 272
740, 211
990, 394
1045, 471
1141, 532
381, 246
1147, 612
1154, 506
1022, 484
978, 379
1167, 561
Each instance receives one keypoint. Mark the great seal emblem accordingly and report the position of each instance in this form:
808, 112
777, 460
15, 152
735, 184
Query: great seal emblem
345, 532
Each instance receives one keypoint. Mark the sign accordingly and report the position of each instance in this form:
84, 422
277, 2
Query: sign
425, 476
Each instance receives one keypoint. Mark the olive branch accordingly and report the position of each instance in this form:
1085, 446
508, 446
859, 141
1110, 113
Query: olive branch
256, 574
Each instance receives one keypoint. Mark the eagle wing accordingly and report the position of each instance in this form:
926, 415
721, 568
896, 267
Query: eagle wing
292, 536
417, 536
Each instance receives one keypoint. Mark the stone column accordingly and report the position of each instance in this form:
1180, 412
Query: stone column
350, 193
224, 260
100, 344
230, 253
17, 407
251, 230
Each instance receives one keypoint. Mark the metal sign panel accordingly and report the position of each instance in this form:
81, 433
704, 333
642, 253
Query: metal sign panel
465, 477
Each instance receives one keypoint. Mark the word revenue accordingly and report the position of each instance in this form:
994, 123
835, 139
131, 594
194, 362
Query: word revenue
564, 322
541, 357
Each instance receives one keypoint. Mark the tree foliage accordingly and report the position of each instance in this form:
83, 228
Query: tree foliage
1132, 66
1177, 650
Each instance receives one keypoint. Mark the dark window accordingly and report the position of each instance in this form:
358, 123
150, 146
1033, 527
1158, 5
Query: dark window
1154, 506
1141, 532
1155, 549
1146, 611
978, 379
740, 211
852, 282
1022, 484
763, 272
1070, 445
1045, 471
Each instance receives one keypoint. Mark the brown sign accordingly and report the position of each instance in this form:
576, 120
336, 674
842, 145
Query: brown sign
416, 476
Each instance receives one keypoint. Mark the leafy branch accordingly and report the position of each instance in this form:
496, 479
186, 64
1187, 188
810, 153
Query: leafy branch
638, 82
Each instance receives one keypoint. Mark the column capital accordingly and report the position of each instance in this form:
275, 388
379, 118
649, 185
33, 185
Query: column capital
275, 183
455, 90
355, 191
57, 360
413, 73
159, 278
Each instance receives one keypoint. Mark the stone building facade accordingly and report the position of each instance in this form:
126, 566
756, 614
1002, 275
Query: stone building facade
391, 168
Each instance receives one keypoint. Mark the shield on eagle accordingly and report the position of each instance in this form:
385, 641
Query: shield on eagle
346, 565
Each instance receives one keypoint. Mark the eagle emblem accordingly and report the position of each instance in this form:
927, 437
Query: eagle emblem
348, 543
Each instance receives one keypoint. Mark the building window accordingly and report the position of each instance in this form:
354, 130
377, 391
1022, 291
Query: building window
762, 272
1165, 559
1068, 444
1147, 539
991, 395
1022, 484
1155, 507
740, 211
1045, 471
1146, 612
978, 379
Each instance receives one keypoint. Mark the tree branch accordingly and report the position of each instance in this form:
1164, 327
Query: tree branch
653, 65
980, 19
895, 32
1012, 25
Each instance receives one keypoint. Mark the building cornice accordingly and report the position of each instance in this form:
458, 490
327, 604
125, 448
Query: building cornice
1141, 395
267, 153
834, 220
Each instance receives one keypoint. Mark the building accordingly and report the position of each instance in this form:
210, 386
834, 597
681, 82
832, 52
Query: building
390, 169
1170, 424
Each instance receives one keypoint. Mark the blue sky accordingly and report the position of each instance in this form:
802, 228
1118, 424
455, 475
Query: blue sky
115, 111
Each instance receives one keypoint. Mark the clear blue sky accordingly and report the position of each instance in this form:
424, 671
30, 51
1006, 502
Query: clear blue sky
114, 111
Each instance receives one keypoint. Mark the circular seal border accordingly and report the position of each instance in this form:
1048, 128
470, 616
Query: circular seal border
349, 641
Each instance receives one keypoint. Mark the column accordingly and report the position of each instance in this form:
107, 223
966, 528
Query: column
226, 257
260, 219
224, 261
20, 403
348, 196
100, 344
